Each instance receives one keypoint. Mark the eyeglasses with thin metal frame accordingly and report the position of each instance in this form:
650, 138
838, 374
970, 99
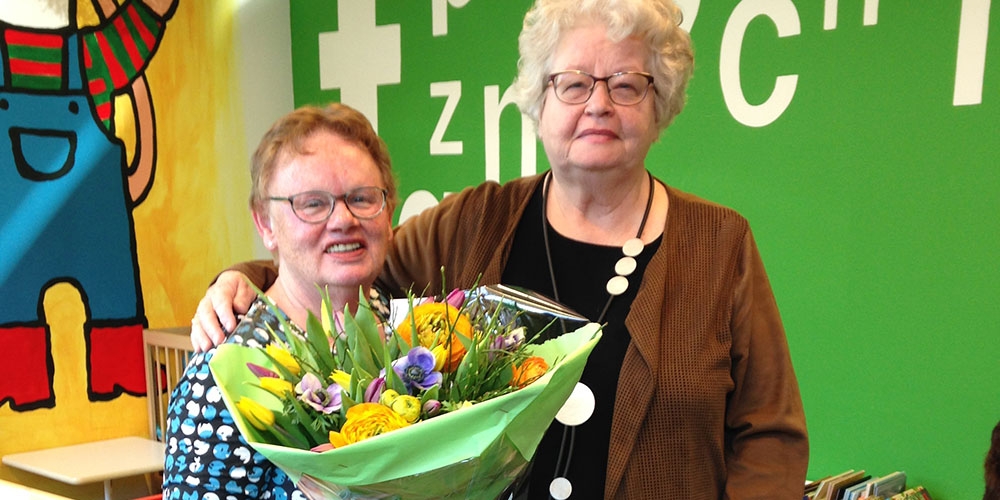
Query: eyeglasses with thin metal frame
314, 207
625, 88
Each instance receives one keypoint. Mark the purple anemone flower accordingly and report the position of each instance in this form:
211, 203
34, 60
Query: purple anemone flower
513, 339
322, 399
417, 369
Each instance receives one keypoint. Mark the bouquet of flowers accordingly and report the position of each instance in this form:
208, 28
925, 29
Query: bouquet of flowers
451, 403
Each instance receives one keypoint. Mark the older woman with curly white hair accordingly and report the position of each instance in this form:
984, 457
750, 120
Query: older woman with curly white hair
695, 392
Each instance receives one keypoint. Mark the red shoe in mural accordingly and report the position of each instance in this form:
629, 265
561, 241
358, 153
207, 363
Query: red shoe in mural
115, 362
114, 365
26, 368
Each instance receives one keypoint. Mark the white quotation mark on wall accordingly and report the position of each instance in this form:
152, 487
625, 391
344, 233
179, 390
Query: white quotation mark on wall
830, 14
973, 31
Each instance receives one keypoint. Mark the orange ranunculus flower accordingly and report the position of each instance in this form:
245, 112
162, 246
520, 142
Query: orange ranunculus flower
337, 439
365, 420
434, 320
529, 371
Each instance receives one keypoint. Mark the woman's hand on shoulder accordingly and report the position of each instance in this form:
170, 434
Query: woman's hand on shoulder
216, 314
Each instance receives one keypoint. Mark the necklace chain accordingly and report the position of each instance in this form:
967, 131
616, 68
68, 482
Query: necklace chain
616, 286
633, 247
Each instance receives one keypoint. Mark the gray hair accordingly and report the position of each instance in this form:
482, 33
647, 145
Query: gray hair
655, 22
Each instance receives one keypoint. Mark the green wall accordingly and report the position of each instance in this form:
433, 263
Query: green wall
871, 188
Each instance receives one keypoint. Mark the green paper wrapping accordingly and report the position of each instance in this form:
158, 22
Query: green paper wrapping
475, 452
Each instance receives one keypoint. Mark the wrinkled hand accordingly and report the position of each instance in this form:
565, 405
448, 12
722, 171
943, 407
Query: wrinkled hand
216, 314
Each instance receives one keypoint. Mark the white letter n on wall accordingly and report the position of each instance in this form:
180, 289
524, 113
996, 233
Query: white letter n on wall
493, 105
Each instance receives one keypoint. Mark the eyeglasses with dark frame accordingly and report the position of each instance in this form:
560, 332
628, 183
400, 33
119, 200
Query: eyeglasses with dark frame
625, 88
314, 207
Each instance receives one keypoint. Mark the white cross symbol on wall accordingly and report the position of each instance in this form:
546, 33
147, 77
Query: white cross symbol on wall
359, 57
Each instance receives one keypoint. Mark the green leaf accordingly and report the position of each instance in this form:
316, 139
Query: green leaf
366, 322
318, 344
393, 381
358, 350
287, 433
430, 394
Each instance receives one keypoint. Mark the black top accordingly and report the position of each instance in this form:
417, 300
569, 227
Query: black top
582, 271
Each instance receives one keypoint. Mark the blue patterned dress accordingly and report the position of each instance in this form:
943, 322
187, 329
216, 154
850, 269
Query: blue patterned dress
207, 457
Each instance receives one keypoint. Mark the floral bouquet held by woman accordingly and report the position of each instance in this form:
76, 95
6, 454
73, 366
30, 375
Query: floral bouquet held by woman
452, 404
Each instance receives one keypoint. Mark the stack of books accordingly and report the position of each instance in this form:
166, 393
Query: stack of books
857, 484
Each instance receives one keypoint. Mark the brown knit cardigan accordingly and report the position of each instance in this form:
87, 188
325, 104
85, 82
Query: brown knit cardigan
707, 405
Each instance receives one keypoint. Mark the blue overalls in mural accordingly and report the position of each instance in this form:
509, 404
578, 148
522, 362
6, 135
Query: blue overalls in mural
66, 212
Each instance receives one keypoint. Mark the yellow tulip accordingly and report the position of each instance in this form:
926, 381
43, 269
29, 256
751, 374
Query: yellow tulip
255, 413
277, 386
285, 358
341, 378
324, 318
440, 357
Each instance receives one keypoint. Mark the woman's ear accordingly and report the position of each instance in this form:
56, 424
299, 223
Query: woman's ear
262, 222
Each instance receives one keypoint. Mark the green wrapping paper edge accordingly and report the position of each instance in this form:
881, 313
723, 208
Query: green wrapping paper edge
482, 478
522, 415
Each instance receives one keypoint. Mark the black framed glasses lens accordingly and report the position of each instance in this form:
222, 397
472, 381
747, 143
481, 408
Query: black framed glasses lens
626, 88
316, 206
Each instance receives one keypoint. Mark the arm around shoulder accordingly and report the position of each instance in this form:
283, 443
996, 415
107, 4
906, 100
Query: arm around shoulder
461, 234
262, 273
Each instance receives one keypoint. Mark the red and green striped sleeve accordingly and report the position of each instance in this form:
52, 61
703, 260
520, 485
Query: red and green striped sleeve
118, 52
36, 59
